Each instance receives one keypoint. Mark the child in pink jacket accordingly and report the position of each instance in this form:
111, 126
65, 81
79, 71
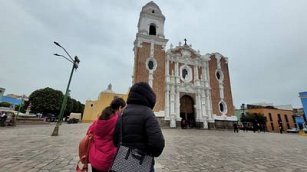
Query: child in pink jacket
102, 150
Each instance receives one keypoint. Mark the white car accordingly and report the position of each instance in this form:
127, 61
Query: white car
293, 130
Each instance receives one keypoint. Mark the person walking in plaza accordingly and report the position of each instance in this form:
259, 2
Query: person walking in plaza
3, 118
102, 149
280, 129
183, 123
138, 126
235, 128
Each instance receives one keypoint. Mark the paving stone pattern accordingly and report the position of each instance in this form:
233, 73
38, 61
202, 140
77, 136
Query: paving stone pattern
30, 148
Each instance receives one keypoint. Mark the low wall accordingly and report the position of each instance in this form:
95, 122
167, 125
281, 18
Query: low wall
31, 121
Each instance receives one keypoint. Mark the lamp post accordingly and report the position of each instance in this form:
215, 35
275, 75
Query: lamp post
19, 108
75, 63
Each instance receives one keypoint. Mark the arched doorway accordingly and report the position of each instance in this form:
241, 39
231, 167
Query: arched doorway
187, 111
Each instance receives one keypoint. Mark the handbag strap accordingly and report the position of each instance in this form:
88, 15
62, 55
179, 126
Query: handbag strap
121, 129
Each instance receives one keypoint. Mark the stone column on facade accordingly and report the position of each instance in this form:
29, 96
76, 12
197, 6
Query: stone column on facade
177, 93
167, 89
152, 49
221, 88
176, 73
172, 108
203, 107
196, 78
150, 76
167, 97
207, 92
205, 122
200, 88
198, 106
209, 105
202, 94
177, 96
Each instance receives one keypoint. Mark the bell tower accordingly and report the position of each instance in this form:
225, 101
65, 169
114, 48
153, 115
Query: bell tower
149, 53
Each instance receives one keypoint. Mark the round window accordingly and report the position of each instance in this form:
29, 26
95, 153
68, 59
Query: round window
150, 64
219, 75
221, 107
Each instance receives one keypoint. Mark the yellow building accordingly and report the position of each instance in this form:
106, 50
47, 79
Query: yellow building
93, 108
276, 116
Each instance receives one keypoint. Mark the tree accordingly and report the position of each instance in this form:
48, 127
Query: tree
46, 100
81, 107
69, 106
5, 104
254, 117
74, 105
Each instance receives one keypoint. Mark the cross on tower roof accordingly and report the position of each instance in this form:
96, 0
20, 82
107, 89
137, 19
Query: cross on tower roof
185, 41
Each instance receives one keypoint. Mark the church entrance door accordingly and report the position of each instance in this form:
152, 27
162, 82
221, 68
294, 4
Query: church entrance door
187, 112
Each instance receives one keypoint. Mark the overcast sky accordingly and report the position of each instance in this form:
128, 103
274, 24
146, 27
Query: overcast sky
265, 41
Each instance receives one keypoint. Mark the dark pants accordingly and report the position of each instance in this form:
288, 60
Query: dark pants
152, 169
2, 121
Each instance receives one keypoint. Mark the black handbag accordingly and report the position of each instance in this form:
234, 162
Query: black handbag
130, 159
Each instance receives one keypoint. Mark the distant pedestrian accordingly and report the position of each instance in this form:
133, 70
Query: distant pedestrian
3, 119
258, 128
263, 127
254, 127
280, 129
183, 123
244, 127
235, 128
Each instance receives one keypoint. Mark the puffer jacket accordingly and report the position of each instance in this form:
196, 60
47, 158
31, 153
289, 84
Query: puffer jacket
140, 128
102, 150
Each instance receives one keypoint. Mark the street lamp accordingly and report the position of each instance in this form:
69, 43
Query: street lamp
19, 108
75, 63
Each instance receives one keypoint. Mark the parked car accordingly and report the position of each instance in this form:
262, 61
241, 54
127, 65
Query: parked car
74, 118
72, 121
50, 117
293, 130
305, 130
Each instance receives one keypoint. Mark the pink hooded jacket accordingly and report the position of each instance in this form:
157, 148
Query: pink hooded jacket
102, 150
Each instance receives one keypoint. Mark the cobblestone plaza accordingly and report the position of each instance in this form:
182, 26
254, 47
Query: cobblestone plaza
31, 148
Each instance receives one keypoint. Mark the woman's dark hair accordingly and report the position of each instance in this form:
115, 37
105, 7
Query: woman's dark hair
110, 110
117, 103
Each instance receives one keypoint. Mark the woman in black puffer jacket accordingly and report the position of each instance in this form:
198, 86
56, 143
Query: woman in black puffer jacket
141, 129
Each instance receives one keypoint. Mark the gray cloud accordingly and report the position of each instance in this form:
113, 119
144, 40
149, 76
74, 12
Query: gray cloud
264, 40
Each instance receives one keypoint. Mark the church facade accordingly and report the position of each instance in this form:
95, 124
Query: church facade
188, 84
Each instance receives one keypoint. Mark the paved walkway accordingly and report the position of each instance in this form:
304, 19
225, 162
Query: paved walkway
31, 148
